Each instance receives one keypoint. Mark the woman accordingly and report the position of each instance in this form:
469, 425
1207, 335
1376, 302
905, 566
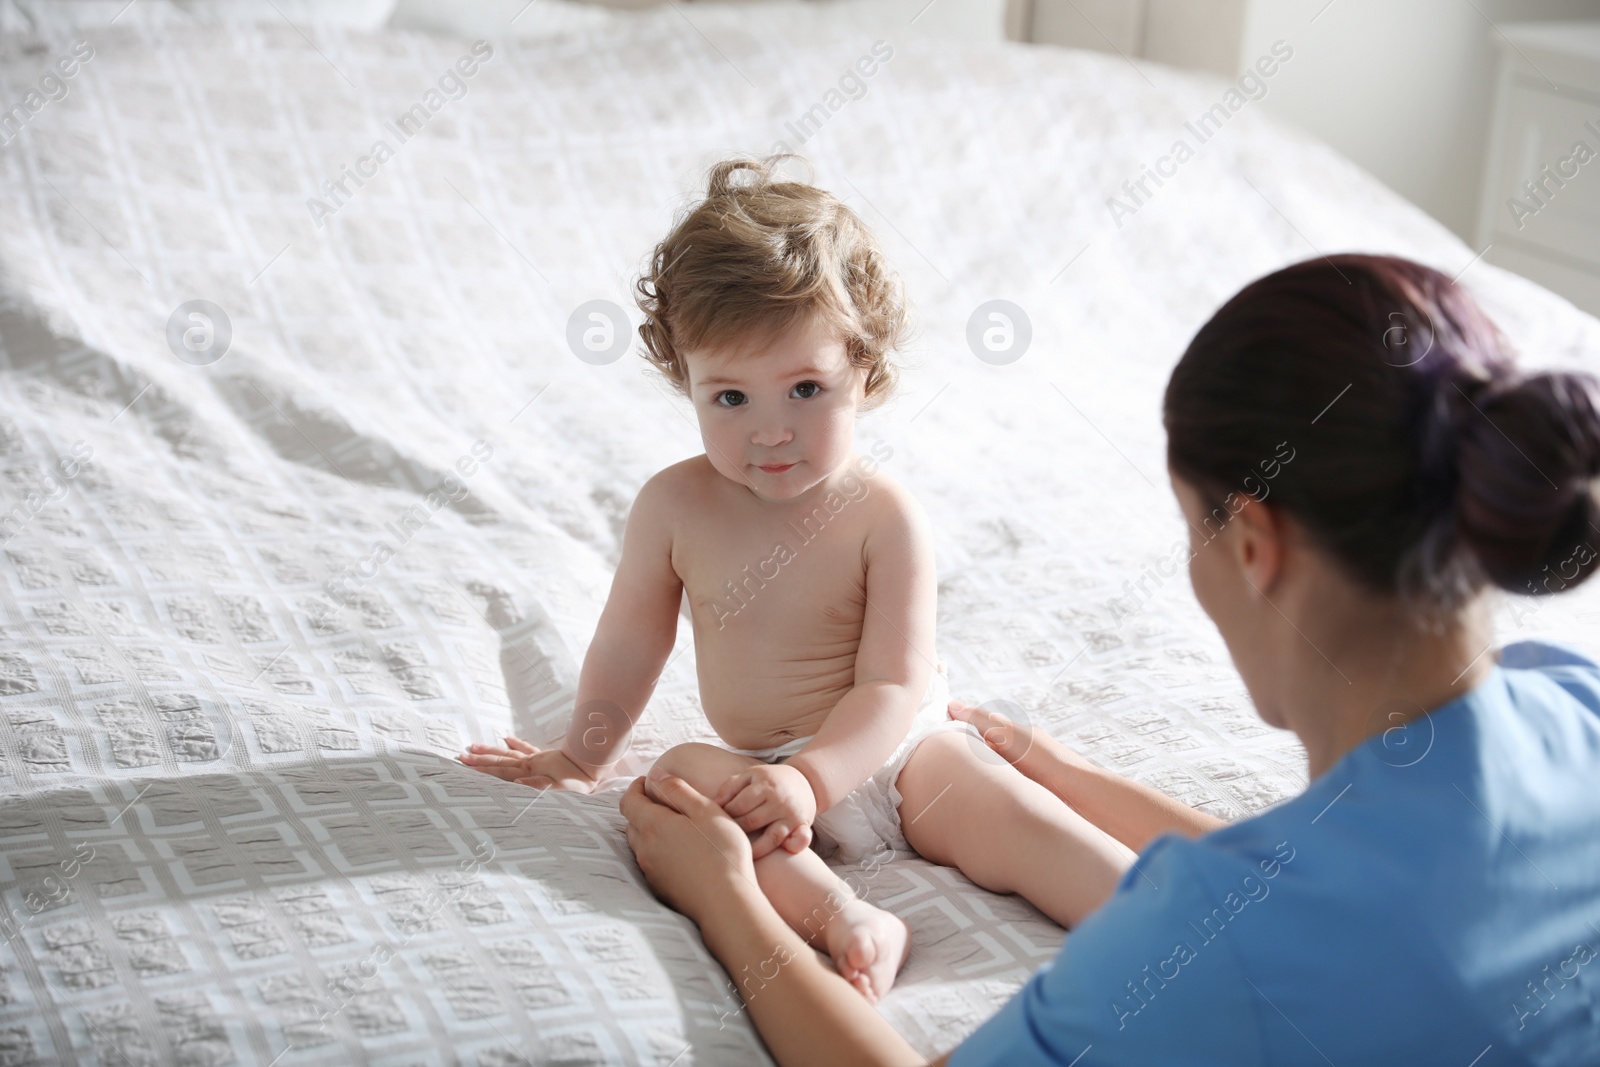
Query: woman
1434, 894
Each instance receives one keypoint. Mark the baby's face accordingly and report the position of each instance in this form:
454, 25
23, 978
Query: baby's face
777, 413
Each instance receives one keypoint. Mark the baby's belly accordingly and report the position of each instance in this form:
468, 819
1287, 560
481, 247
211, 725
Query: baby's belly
761, 703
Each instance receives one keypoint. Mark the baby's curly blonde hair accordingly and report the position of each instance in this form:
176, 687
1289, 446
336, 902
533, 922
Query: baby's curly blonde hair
759, 255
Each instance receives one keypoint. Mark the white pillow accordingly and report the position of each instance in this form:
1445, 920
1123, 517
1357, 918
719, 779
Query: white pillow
474, 19
352, 14
48, 16
892, 20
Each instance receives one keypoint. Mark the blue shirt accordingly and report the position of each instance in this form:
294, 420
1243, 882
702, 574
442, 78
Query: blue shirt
1434, 898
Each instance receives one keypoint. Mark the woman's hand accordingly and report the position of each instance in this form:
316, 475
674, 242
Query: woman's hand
773, 799
526, 765
692, 854
1033, 752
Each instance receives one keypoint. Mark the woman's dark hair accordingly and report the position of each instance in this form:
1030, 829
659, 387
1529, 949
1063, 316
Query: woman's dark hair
1422, 460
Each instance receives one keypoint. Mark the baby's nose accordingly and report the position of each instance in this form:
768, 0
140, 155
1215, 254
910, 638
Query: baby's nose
771, 435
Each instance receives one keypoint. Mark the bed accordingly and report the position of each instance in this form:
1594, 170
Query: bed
266, 571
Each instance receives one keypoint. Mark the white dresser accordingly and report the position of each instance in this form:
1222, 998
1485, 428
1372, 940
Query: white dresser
1541, 192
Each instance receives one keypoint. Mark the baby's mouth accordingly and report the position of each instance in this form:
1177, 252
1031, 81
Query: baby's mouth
778, 469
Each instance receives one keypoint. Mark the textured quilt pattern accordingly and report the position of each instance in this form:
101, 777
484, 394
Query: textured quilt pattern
257, 591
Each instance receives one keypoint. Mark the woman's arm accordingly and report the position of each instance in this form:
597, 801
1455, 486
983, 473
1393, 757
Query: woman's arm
1132, 813
698, 861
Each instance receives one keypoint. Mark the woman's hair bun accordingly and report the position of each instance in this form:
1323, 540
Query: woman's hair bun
1526, 465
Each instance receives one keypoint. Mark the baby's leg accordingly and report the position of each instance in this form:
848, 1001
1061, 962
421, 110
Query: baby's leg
1005, 831
866, 943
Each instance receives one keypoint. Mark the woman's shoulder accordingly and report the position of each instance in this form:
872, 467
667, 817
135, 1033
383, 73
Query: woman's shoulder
1538, 655
1563, 665
1551, 728
1536, 717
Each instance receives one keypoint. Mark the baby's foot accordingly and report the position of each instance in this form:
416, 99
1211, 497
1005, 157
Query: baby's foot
868, 946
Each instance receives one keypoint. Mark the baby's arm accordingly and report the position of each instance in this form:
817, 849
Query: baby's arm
631, 645
893, 660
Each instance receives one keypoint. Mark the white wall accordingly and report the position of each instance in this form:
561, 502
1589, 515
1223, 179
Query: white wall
1402, 87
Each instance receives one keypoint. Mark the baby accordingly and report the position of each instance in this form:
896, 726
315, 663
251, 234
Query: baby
811, 585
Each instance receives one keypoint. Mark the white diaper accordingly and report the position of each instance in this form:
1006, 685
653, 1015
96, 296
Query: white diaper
867, 821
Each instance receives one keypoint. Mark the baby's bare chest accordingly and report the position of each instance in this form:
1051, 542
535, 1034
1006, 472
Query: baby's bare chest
776, 576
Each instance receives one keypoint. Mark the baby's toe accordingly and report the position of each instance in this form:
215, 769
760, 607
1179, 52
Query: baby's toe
862, 953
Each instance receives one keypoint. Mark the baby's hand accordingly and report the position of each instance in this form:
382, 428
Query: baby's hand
775, 799
526, 765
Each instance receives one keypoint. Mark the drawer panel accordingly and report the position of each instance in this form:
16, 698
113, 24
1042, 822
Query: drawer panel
1542, 146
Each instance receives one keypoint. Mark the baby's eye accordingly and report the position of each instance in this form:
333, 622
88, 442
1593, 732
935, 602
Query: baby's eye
813, 386
739, 398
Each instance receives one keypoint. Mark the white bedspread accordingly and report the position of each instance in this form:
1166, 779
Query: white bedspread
231, 828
